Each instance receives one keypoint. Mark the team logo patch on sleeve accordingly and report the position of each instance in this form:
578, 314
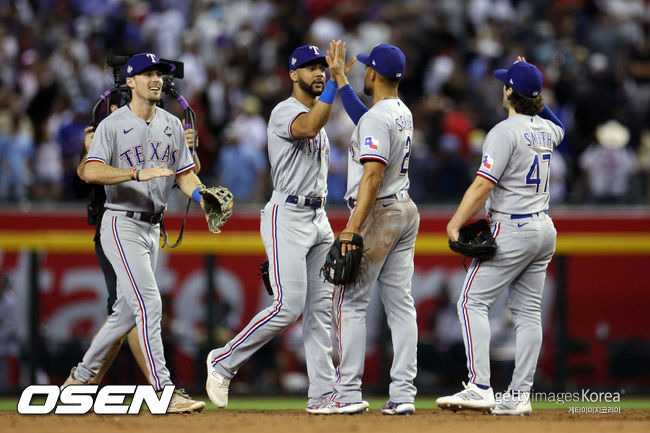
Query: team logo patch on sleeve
371, 143
487, 162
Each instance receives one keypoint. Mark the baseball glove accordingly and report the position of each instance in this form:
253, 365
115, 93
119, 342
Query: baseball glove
266, 278
218, 202
339, 269
475, 240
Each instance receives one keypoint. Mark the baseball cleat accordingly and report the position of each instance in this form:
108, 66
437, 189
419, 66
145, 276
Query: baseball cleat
71, 380
509, 404
470, 398
182, 403
325, 407
353, 408
392, 408
217, 386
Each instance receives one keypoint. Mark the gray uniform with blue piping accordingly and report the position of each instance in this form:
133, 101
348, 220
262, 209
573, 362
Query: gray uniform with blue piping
383, 134
130, 231
516, 157
297, 236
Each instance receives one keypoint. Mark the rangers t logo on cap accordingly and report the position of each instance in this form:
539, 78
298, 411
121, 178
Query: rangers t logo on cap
140, 62
305, 54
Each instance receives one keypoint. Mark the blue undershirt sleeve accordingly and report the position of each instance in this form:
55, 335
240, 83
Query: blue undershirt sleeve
547, 114
352, 104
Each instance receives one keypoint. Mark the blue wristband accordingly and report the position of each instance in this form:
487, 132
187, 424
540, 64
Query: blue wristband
195, 194
329, 93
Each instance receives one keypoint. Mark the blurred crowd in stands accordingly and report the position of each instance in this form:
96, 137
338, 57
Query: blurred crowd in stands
594, 54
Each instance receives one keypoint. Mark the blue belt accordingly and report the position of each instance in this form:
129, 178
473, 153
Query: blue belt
151, 218
526, 215
312, 202
352, 202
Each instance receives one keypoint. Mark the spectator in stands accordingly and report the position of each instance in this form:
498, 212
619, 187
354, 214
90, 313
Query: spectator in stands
609, 163
69, 136
48, 170
243, 163
16, 151
50, 54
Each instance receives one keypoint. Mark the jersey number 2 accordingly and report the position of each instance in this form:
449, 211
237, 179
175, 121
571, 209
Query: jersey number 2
405, 161
534, 174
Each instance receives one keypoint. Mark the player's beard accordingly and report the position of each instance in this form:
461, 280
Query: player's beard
153, 100
148, 97
308, 88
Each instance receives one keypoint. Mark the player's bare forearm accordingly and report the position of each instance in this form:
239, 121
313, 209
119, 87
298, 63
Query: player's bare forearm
103, 174
373, 174
88, 139
188, 182
307, 125
473, 200
80, 167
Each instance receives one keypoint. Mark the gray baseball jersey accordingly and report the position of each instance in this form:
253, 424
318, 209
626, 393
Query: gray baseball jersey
516, 157
384, 134
298, 166
297, 236
129, 239
124, 140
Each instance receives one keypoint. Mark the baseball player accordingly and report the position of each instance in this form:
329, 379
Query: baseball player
388, 221
95, 213
512, 183
138, 152
295, 231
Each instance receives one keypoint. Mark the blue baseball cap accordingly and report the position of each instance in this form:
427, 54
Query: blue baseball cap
524, 78
386, 59
142, 61
305, 54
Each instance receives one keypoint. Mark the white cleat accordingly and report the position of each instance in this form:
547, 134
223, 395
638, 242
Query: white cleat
514, 405
325, 407
216, 386
182, 403
353, 408
71, 379
470, 398
392, 408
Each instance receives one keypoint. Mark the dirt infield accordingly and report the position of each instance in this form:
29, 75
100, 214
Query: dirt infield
240, 421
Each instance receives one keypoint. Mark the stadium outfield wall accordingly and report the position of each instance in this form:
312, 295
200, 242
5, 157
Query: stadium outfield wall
597, 330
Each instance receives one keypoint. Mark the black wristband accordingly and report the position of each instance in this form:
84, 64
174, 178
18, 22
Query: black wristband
137, 175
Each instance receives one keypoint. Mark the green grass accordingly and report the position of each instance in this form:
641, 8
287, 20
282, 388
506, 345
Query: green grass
425, 402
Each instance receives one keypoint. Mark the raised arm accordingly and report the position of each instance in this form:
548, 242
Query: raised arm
339, 70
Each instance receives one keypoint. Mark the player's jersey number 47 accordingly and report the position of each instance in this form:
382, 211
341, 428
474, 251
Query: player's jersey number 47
538, 172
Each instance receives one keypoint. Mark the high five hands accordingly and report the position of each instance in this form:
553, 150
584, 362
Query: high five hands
335, 58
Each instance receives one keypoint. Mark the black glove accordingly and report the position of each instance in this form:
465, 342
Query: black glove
339, 269
264, 272
475, 240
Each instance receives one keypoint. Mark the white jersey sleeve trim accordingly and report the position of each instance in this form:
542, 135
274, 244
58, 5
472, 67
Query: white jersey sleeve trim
293, 120
186, 168
381, 159
487, 176
95, 159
